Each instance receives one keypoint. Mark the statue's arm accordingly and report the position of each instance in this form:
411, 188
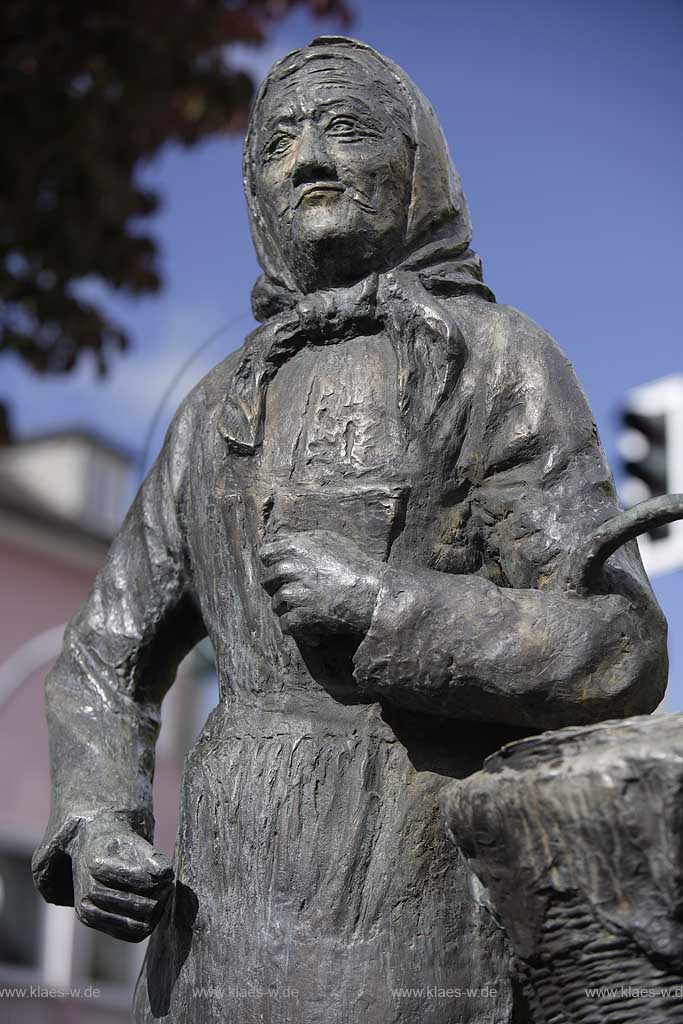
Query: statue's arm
511, 643
120, 654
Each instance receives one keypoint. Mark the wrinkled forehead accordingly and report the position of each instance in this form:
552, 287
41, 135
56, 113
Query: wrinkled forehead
311, 81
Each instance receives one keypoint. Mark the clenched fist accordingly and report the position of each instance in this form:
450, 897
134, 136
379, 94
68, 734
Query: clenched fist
321, 584
120, 881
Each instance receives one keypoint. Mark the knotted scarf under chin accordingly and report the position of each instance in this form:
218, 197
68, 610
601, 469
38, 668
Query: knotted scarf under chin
404, 303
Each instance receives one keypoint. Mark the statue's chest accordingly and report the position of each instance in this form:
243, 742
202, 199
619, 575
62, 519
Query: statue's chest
334, 411
334, 452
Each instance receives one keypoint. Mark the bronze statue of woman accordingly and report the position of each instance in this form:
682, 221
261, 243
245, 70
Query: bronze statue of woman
371, 509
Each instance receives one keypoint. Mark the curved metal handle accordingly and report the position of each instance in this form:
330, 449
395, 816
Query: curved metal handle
604, 541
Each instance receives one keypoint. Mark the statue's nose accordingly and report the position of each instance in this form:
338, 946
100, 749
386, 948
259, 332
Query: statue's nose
312, 160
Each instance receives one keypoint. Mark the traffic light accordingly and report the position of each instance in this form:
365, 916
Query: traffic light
643, 446
651, 446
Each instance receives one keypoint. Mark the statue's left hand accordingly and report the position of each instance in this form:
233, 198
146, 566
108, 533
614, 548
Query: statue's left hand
321, 584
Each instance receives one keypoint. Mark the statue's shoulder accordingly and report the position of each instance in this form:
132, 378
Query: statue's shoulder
211, 389
523, 383
512, 345
508, 332
194, 422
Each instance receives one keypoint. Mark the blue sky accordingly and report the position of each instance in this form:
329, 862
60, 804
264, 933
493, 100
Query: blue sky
564, 120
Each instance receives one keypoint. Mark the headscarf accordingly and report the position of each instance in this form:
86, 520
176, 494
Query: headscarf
436, 261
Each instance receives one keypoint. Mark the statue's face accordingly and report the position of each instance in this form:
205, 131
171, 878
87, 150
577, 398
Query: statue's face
334, 175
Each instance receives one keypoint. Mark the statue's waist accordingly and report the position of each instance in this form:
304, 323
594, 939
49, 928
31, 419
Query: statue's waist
429, 743
296, 716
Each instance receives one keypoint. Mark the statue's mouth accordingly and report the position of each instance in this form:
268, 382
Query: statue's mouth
317, 188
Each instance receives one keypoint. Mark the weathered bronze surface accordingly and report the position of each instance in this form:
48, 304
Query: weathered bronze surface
373, 509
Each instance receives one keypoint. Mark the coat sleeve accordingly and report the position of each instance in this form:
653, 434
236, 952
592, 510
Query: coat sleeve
503, 640
120, 655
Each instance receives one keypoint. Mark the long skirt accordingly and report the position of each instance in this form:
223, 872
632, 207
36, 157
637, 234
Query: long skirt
316, 885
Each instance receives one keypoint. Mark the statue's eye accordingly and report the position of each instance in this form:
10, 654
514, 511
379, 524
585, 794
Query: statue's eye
279, 144
344, 127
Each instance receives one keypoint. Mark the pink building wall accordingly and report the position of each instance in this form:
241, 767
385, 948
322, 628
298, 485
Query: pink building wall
43, 580
38, 593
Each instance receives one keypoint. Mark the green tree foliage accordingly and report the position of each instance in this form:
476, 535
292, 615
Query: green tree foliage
88, 89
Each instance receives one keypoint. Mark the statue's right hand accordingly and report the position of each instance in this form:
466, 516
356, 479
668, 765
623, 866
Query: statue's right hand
120, 881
